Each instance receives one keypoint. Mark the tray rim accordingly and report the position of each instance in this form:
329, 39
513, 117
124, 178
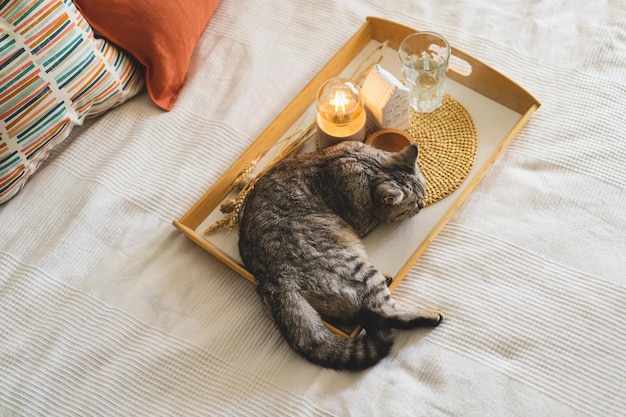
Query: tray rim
482, 79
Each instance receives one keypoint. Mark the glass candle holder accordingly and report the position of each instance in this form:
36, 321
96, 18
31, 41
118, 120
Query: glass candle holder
340, 112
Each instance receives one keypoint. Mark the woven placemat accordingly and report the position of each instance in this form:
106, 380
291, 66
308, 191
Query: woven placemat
447, 147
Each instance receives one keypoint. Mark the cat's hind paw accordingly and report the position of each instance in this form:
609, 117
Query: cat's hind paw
433, 316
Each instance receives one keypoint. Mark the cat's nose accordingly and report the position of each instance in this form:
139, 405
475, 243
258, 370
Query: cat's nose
420, 204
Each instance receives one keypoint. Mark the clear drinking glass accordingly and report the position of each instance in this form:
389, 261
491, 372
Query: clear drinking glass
424, 57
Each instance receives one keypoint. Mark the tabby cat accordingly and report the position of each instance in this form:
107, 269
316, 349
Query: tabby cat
299, 237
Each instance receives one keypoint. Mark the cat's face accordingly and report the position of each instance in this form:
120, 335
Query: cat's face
399, 189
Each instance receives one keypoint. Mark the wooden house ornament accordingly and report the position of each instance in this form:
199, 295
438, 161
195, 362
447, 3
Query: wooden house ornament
386, 100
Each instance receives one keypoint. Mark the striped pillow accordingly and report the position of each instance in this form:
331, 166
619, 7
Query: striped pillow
53, 74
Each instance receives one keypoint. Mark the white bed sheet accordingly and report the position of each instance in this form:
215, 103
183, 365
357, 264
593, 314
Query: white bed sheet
106, 309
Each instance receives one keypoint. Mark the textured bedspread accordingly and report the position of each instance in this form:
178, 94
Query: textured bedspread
106, 309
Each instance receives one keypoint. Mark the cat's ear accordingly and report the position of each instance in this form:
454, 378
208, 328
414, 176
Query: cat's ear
389, 194
408, 155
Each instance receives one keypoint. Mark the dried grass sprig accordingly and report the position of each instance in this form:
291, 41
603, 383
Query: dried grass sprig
217, 225
291, 144
361, 71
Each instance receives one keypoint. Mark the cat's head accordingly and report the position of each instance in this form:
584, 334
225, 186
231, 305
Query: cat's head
399, 188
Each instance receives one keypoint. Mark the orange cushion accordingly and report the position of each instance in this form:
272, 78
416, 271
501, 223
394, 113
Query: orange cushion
161, 34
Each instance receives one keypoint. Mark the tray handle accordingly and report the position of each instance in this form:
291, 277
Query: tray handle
473, 73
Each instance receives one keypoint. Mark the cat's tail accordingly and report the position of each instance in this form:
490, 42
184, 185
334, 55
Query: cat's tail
302, 327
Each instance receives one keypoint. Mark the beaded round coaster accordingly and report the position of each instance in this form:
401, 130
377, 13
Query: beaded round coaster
447, 147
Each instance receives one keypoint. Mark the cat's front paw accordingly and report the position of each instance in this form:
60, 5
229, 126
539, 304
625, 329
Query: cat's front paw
388, 279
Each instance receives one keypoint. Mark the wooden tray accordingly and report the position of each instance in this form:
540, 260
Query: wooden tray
499, 109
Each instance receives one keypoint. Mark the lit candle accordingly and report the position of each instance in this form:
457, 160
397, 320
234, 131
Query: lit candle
340, 112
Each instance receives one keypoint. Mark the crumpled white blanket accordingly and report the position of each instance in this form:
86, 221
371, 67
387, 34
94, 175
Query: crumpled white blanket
106, 309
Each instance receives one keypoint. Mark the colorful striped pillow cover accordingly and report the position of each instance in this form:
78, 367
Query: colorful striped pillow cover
53, 74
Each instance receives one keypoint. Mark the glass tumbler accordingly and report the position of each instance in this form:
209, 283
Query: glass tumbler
424, 57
